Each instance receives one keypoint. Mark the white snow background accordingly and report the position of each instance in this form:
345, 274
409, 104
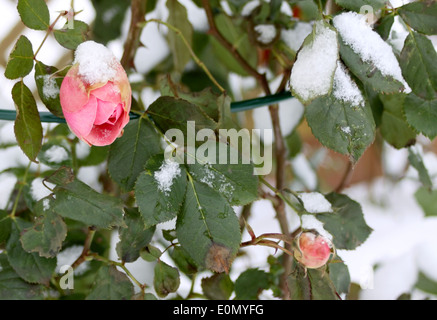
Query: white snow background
402, 243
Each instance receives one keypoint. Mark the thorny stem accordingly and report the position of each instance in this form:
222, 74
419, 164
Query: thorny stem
49, 30
193, 55
280, 150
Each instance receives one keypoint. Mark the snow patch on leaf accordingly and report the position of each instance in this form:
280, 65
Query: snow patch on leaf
313, 71
168, 171
369, 45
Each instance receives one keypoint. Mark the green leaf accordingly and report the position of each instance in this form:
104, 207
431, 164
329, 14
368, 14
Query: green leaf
20, 61
426, 284
5, 226
178, 18
421, 114
218, 287
418, 65
160, 201
346, 223
134, 237
27, 128
107, 24
312, 284
207, 228
129, 154
31, 267
427, 199
367, 72
48, 86
183, 261
340, 126
383, 26
150, 253
173, 113
339, 274
356, 5
250, 284
166, 279
70, 38
394, 127
48, 231
415, 159
234, 180
111, 284
34, 14
76, 200
12, 287
420, 15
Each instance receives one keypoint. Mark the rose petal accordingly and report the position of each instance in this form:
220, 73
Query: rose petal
116, 115
73, 94
109, 92
105, 110
81, 122
104, 134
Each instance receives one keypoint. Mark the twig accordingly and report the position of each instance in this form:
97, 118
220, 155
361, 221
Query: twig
346, 178
86, 248
138, 15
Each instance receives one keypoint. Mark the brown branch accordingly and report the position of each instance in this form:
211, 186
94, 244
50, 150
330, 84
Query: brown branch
138, 10
86, 248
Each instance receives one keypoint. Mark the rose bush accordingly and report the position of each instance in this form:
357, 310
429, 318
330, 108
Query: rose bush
96, 103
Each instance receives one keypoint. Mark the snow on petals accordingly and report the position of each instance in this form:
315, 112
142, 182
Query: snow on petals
313, 71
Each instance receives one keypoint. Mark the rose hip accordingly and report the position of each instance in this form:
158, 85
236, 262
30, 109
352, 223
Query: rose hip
313, 250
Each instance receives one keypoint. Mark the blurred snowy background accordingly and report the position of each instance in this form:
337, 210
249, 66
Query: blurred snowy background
404, 241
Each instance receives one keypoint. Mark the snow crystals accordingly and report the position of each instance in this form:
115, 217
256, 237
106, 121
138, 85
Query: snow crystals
168, 171
315, 202
96, 62
56, 154
316, 62
345, 89
365, 42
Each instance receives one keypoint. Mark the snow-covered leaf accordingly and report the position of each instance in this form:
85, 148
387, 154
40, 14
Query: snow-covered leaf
313, 71
367, 55
160, 190
342, 121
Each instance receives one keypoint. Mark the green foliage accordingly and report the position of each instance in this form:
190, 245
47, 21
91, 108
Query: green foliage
34, 14
203, 204
70, 38
28, 129
129, 154
421, 16
166, 279
20, 60
347, 222
111, 284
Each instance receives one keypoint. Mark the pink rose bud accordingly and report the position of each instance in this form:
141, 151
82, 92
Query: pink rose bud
96, 95
314, 250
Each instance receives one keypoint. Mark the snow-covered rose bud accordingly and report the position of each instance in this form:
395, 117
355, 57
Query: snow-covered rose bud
313, 250
96, 95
